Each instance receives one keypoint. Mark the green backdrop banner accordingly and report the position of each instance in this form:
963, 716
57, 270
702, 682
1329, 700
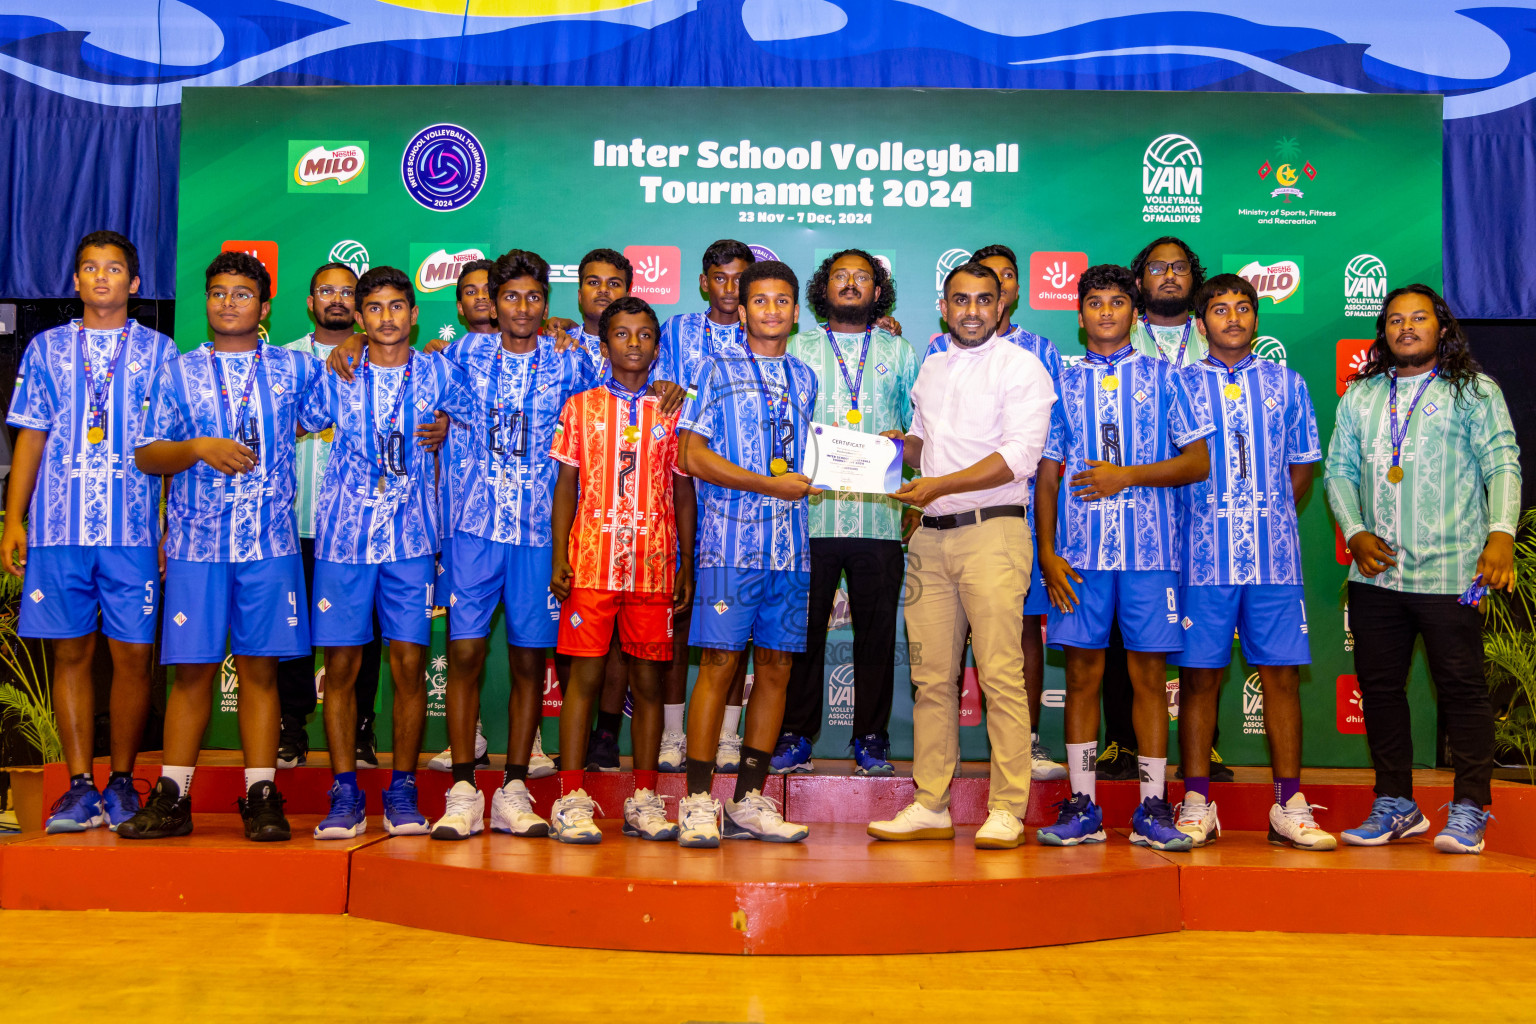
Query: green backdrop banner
1323, 201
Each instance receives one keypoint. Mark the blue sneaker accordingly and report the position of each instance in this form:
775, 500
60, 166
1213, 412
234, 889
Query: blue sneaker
1392, 817
1463, 832
121, 802
869, 753
77, 810
347, 819
791, 756
401, 818
1152, 826
1079, 821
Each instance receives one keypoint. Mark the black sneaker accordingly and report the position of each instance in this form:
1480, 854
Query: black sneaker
164, 815
367, 755
602, 751
292, 744
1117, 764
1219, 770
262, 811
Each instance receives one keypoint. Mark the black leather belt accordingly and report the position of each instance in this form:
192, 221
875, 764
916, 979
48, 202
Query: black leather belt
973, 517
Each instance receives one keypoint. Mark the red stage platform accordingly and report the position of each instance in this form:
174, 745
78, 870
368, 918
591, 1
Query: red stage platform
839, 892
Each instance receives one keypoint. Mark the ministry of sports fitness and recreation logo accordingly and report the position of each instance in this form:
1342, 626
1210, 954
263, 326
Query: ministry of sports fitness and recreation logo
1277, 279
1172, 180
1288, 172
322, 167
1271, 348
351, 252
840, 695
443, 167
1253, 706
1365, 286
437, 267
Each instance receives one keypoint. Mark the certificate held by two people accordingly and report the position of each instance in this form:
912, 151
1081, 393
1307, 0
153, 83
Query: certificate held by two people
839, 459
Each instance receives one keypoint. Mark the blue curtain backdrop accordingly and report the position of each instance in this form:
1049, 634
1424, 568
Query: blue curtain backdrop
90, 94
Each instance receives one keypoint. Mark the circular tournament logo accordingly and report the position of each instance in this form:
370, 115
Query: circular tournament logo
443, 167
762, 252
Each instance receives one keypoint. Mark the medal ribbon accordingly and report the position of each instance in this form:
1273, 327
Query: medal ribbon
236, 414
854, 383
97, 393
522, 395
378, 453
1232, 372
1399, 436
783, 405
1183, 342
628, 397
1113, 360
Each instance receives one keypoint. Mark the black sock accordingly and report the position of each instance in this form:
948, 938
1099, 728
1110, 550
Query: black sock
610, 720
464, 772
120, 775
753, 770
84, 777
700, 775
515, 773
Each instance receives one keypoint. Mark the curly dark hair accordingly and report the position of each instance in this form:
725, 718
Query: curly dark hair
384, 277
1453, 355
986, 252
241, 264
515, 263
1196, 268
613, 258
727, 250
1108, 277
766, 270
816, 287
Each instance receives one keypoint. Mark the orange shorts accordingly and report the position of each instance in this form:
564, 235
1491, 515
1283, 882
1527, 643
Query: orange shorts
644, 620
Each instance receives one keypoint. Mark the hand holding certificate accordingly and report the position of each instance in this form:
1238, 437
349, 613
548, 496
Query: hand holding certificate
851, 461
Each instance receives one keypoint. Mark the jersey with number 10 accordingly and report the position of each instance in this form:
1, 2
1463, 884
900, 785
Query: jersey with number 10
1145, 416
1240, 522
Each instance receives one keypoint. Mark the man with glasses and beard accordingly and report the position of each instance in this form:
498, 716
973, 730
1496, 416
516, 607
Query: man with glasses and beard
865, 376
1423, 475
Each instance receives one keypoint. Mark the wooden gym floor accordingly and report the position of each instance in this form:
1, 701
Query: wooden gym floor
98, 966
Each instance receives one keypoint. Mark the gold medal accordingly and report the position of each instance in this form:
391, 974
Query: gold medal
381, 486
328, 435
854, 416
1233, 391
95, 435
779, 467
1395, 475
1110, 383
631, 434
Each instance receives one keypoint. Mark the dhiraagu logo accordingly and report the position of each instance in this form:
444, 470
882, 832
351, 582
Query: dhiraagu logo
327, 167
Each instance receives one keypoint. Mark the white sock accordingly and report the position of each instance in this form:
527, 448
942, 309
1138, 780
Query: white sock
179, 774
672, 717
1082, 762
1154, 776
255, 775
732, 721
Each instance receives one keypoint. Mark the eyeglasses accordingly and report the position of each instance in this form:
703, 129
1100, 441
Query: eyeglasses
327, 292
842, 277
238, 297
1157, 268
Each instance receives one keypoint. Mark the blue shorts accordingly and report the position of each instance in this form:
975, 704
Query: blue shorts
257, 609
1146, 603
346, 596
766, 606
516, 576
67, 585
1270, 618
1038, 600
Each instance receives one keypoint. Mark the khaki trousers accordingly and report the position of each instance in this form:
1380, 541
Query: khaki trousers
977, 576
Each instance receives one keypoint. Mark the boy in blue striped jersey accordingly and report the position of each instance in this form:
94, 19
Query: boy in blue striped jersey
379, 533
1242, 558
1128, 432
83, 522
222, 422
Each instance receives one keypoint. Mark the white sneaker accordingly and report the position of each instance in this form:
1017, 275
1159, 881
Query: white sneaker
1293, 825
755, 816
1196, 818
512, 812
540, 764
1001, 831
728, 754
1043, 769
444, 762
698, 820
674, 751
915, 822
464, 814
571, 819
645, 816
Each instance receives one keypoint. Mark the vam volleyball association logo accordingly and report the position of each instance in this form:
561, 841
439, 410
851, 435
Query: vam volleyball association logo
443, 167
1172, 180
